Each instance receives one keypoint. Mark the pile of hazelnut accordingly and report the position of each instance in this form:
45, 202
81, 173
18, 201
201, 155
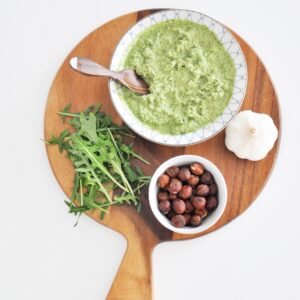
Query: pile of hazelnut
187, 194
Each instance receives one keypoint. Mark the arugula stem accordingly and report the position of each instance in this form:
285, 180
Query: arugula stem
115, 144
140, 158
81, 193
110, 128
119, 168
120, 129
102, 188
94, 205
120, 172
67, 114
127, 134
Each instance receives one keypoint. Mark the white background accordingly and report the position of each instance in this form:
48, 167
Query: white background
42, 256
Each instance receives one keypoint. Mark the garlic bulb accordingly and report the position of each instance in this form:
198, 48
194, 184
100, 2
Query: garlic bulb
251, 135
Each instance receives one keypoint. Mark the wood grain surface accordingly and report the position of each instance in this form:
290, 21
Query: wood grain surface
245, 179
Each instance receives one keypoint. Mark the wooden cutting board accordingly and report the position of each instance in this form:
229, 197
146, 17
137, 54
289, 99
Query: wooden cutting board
245, 179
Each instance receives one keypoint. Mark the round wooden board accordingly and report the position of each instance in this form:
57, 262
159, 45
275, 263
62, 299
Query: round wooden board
245, 179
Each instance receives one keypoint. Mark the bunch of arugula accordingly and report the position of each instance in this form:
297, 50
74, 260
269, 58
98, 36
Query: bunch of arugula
103, 172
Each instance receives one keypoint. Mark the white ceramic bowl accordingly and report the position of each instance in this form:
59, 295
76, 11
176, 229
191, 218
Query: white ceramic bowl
181, 160
203, 133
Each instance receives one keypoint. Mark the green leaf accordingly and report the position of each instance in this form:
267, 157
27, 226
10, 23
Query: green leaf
75, 209
75, 123
92, 109
130, 173
60, 140
139, 171
88, 126
102, 215
75, 186
65, 110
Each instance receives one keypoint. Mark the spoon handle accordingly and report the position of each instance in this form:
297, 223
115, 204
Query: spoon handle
89, 67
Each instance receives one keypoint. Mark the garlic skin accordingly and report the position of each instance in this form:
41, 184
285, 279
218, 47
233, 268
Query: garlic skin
251, 135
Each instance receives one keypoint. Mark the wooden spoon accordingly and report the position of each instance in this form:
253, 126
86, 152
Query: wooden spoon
128, 78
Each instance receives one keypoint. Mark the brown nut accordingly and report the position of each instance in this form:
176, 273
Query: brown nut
195, 220
184, 174
178, 221
174, 186
211, 203
178, 206
207, 178
187, 218
186, 192
199, 202
202, 190
172, 171
201, 212
164, 207
213, 189
170, 215
172, 197
163, 181
197, 169
162, 196
193, 180
189, 207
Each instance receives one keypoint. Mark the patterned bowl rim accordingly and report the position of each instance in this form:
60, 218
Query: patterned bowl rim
200, 140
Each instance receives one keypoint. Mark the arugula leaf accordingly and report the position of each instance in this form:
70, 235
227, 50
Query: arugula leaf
60, 140
130, 173
66, 110
75, 209
75, 186
88, 126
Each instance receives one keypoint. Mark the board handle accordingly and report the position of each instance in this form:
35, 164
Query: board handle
134, 277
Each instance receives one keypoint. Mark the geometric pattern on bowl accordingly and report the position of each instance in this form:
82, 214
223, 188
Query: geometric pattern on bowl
240, 85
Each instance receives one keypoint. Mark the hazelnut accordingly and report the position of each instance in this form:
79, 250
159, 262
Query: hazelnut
189, 207
184, 174
197, 169
170, 215
193, 180
211, 203
178, 206
213, 189
172, 196
174, 186
186, 192
207, 178
163, 181
187, 218
195, 220
178, 221
172, 171
164, 207
162, 196
201, 212
202, 190
199, 202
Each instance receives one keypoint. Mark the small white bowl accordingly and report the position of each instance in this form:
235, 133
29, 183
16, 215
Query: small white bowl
181, 160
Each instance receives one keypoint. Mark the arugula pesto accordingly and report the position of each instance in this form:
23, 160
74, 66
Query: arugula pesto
190, 74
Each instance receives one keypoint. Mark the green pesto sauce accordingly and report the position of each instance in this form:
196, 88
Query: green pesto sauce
190, 74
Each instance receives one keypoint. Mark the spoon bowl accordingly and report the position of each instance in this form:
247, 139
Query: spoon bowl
128, 78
